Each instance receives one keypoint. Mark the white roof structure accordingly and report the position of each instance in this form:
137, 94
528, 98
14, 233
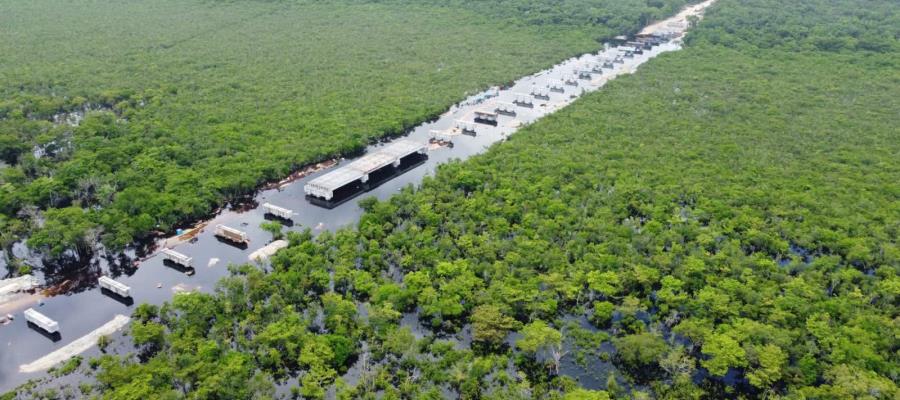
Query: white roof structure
325, 185
372, 162
404, 147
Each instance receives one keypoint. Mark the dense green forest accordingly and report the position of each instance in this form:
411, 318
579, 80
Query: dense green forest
191, 103
826, 25
721, 224
606, 18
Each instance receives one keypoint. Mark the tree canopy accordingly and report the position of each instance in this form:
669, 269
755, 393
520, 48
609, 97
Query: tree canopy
171, 109
721, 224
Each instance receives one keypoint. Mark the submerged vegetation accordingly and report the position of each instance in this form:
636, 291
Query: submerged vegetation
182, 106
721, 224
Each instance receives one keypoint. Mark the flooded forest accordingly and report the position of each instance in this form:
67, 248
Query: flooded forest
397, 199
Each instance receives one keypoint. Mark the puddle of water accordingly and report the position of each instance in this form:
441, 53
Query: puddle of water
153, 281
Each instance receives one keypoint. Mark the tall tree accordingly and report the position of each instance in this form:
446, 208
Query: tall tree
540, 339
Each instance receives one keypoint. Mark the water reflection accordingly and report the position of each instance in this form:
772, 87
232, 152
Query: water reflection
181, 268
54, 337
127, 301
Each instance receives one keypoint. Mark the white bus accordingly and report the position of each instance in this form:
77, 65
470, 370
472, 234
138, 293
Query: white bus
41, 321
114, 286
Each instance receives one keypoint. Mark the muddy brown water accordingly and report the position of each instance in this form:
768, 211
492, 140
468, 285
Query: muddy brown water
84, 310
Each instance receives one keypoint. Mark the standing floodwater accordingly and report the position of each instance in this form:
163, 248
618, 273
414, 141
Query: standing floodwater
198, 262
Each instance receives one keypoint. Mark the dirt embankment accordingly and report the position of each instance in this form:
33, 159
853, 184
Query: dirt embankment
77, 346
16, 294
